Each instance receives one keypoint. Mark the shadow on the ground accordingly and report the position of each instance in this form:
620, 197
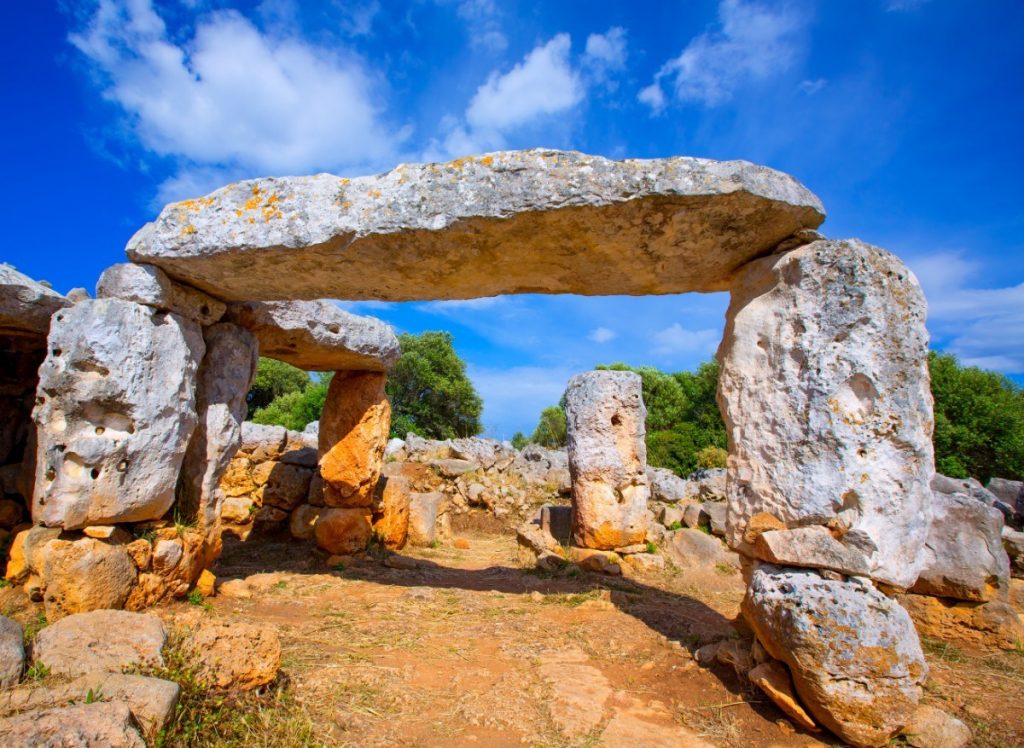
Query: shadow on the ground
676, 616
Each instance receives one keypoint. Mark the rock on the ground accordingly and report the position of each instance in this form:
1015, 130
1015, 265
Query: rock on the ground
115, 411
933, 728
353, 432
607, 459
424, 509
853, 653
667, 486
84, 575
539, 221
1010, 492
774, 680
579, 693
485, 452
147, 284
236, 655
343, 530
391, 512
101, 641
990, 624
317, 335
24, 556
26, 304
824, 367
302, 521
964, 556
225, 375
1013, 544
688, 548
12, 652
105, 724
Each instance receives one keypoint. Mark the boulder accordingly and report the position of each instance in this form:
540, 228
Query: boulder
1013, 544
26, 305
690, 548
708, 484
225, 375
695, 516
933, 728
1011, 493
12, 652
84, 575
391, 512
23, 557
990, 624
424, 509
964, 556
115, 411
853, 653
105, 723
148, 285
667, 486
773, 679
537, 221
393, 447
302, 522
106, 641
484, 452
317, 335
235, 655
716, 512
453, 468
812, 546
282, 485
607, 459
824, 367
343, 530
262, 442
353, 431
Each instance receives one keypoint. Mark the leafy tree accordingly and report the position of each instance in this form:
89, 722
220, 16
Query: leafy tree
979, 421
273, 379
519, 440
429, 391
712, 457
294, 410
550, 431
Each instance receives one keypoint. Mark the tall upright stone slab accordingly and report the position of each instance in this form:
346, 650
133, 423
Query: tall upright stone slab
225, 376
605, 417
115, 409
825, 393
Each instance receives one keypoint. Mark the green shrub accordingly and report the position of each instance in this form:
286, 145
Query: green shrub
711, 457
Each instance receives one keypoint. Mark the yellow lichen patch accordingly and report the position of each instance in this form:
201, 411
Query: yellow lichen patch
188, 229
257, 197
374, 193
487, 160
194, 205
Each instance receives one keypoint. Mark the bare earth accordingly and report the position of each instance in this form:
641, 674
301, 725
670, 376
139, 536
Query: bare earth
471, 649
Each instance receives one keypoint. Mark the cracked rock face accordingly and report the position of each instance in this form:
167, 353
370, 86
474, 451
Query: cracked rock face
853, 653
605, 416
536, 221
317, 335
825, 393
115, 409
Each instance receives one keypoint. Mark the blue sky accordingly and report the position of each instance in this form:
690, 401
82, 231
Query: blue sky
905, 116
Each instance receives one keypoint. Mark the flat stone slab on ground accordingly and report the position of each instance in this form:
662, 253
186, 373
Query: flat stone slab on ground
100, 641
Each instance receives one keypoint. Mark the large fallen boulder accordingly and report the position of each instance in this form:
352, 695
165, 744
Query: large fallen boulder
825, 393
853, 653
317, 335
536, 221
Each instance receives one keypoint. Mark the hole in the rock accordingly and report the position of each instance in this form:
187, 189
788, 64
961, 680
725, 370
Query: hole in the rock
616, 420
57, 352
122, 466
51, 473
99, 430
333, 329
204, 310
94, 473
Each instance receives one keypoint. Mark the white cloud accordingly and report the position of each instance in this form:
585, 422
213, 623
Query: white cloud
458, 306
811, 87
606, 52
601, 335
982, 326
232, 98
482, 20
676, 339
754, 43
514, 397
544, 83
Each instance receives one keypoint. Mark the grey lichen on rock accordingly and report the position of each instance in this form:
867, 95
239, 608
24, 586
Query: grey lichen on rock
539, 221
26, 305
317, 335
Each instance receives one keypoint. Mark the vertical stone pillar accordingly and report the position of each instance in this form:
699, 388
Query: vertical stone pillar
605, 416
353, 433
825, 393
225, 376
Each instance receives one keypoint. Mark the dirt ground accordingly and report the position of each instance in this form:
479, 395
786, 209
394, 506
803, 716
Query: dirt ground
471, 649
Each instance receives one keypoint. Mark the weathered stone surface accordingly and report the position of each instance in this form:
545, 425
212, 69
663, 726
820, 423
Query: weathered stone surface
26, 305
84, 575
12, 652
303, 520
343, 530
236, 655
933, 728
148, 285
424, 509
773, 678
107, 723
1011, 493
536, 221
101, 641
991, 624
24, 555
285, 486
812, 546
579, 693
853, 653
688, 548
225, 375
115, 410
1013, 544
391, 512
607, 458
317, 335
353, 431
964, 556
262, 442
825, 393
666, 485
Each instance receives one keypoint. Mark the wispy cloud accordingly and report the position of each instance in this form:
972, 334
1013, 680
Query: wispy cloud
676, 339
811, 87
601, 335
483, 22
514, 397
754, 42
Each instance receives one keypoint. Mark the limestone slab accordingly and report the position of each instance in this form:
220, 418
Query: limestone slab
539, 221
26, 305
825, 393
149, 285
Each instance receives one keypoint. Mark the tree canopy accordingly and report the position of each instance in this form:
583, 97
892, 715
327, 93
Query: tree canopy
550, 431
979, 421
295, 409
274, 379
430, 393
